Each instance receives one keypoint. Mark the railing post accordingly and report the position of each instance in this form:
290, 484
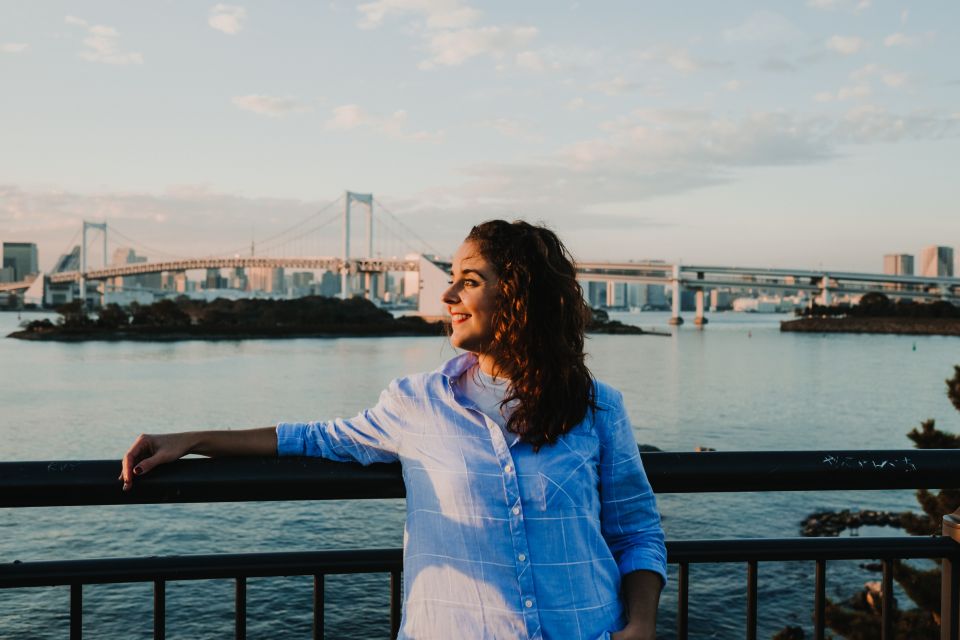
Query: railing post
950, 582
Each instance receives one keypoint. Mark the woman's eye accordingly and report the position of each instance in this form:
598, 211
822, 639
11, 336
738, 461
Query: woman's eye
469, 283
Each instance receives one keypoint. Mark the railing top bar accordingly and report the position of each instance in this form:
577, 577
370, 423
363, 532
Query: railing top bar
790, 549
92, 482
198, 567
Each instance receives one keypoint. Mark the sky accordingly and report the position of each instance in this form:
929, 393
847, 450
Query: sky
806, 134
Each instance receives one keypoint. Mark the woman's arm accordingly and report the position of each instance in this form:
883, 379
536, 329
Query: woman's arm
148, 451
641, 595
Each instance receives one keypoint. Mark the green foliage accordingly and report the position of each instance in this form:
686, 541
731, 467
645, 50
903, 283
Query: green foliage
73, 316
878, 305
113, 317
854, 620
185, 318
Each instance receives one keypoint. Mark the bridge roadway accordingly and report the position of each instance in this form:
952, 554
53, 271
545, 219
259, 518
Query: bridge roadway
361, 265
695, 277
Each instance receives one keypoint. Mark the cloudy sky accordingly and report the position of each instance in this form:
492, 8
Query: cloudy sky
797, 134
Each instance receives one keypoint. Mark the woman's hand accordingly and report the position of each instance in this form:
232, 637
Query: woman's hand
148, 451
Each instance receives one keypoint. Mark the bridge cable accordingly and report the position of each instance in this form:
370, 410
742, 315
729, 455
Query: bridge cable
285, 231
417, 236
139, 245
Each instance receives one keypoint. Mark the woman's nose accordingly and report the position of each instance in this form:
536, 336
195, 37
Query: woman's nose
450, 295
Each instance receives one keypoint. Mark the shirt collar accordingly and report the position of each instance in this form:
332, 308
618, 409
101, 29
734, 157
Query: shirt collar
455, 367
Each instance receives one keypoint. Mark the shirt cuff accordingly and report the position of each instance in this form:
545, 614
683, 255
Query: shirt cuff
643, 559
291, 439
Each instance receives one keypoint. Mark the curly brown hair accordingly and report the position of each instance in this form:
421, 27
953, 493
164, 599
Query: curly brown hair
538, 326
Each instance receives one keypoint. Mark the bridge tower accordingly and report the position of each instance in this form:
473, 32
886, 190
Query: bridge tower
675, 317
362, 198
101, 226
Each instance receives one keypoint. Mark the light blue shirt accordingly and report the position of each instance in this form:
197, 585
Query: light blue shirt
500, 541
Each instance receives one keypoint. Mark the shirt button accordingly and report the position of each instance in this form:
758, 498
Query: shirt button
508, 468
516, 511
528, 603
521, 557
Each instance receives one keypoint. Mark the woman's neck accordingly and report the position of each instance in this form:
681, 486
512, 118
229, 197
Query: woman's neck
488, 366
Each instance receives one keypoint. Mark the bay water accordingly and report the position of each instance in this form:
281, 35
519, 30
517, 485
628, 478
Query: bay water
736, 385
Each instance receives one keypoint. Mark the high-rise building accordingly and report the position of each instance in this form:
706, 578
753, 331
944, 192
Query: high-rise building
330, 283
126, 255
898, 264
68, 261
21, 257
936, 261
267, 279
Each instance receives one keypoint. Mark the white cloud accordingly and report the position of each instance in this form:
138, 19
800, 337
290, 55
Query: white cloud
763, 28
530, 61
345, 117
849, 5
576, 104
845, 45
350, 117
273, 106
512, 128
453, 48
102, 44
898, 40
14, 47
895, 80
616, 86
650, 153
437, 14
227, 18
733, 85
853, 92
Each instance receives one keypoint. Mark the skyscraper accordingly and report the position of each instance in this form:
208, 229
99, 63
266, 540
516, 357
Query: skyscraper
898, 264
21, 257
936, 261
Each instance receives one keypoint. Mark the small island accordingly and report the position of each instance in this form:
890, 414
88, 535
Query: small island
186, 319
876, 313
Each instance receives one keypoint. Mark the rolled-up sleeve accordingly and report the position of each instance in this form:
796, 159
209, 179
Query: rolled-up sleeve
629, 519
371, 436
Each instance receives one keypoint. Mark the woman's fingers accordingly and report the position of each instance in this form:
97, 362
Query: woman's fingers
132, 463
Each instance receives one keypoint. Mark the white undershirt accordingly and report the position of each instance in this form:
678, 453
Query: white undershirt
488, 392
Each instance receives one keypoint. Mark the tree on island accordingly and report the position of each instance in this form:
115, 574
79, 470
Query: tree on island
878, 305
859, 618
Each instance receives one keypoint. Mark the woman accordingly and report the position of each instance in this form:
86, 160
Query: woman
529, 514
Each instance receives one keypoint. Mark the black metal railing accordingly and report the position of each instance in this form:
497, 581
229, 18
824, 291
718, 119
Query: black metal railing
75, 483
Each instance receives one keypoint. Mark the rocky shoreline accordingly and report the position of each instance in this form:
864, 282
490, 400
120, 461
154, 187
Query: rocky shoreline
313, 317
903, 326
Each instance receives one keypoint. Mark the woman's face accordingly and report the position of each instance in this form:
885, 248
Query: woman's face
471, 299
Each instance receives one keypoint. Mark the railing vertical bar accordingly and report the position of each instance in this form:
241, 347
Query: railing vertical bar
683, 592
159, 610
241, 608
820, 601
951, 625
76, 611
752, 600
318, 598
395, 603
887, 598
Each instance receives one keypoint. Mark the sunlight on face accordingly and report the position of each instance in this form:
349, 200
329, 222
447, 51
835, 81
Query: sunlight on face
471, 299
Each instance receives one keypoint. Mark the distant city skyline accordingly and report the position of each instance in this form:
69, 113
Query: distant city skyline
823, 134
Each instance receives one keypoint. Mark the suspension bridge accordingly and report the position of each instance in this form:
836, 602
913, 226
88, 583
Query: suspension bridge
314, 244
